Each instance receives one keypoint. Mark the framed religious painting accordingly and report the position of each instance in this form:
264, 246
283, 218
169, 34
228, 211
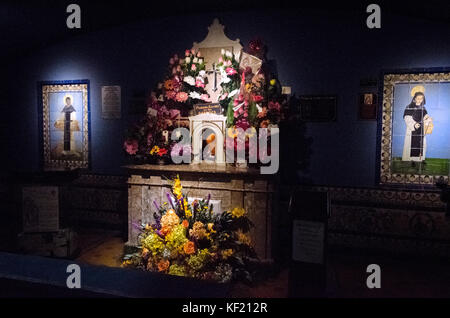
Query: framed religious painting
64, 124
414, 145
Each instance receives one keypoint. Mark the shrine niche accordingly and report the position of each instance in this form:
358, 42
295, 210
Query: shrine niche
216, 124
64, 124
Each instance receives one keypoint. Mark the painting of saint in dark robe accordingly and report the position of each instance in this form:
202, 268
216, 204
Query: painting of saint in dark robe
65, 128
418, 125
421, 132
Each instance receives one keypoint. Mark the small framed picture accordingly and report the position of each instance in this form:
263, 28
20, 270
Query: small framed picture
64, 124
367, 106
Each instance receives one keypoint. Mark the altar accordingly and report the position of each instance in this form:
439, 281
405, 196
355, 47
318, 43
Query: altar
232, 186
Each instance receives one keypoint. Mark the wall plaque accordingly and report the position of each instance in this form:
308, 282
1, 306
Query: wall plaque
208, 108
111, 102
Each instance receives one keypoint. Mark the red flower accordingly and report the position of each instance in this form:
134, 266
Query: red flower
257, 98
162, 152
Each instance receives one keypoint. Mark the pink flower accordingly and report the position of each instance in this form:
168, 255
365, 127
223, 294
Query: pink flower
230, 71
257, 98
131, 146
199, 83
181, 97
228, 63
205, 97
193, 67
199, 54
171, 94
171, 61
174, 113
220, 60
187, 52
223, 96
274, 106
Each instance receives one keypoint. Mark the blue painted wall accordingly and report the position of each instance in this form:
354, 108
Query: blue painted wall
315, 53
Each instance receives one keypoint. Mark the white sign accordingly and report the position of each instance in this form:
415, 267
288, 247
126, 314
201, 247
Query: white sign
40, 206
308, 241
111, 102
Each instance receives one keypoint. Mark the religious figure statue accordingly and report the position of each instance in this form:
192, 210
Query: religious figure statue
68, 125
418, 125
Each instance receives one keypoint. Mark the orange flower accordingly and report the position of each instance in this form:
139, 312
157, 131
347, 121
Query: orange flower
168, 85
163, 265
185, 224
165, 230
189, 247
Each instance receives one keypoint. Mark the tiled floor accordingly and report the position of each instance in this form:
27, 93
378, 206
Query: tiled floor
346, 273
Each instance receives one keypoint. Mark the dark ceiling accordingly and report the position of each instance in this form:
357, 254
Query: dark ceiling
30, 25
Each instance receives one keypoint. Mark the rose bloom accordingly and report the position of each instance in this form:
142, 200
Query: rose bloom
187, 52
131, 146
163, 265
189, 248
182, 97
199, 83
185, 224
193, 67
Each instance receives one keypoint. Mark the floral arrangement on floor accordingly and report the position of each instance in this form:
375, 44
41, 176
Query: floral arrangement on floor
190, 240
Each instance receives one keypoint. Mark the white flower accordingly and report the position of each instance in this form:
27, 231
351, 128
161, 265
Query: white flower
194, 95
228, 54
160, 98
200, 61
225, 79
233, 93
190, 80
222, 51
195, 60
237, 55
202, 73
188, 60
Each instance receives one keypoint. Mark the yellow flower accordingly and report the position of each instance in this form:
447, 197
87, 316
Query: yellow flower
237, 212
177, 188
243, 238
170, 219
248, 87
210, 227
154, 150
227, 253
273, 82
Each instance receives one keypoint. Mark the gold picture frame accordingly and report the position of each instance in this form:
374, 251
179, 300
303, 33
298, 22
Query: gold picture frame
64, 125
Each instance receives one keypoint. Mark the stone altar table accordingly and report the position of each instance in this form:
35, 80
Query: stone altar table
234, 187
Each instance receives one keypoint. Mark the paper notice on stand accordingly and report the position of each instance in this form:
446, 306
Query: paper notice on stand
40, 206
111, 102
308, 241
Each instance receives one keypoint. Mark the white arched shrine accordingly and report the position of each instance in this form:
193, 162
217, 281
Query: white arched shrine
197, 124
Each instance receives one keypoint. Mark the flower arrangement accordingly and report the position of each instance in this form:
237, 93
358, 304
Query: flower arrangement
249, 97
190, 240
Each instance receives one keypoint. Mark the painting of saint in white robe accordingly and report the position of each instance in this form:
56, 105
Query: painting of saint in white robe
418, 125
